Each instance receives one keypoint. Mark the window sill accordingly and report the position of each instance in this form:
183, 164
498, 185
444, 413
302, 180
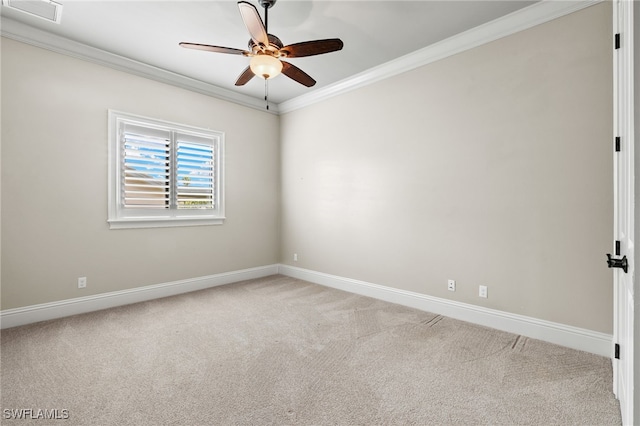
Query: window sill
146, 222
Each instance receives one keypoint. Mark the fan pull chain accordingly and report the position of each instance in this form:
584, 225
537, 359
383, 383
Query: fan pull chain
266, 92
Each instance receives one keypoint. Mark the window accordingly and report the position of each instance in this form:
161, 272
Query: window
163, 174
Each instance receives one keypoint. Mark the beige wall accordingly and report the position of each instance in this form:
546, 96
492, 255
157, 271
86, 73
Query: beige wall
492, 167
54, 182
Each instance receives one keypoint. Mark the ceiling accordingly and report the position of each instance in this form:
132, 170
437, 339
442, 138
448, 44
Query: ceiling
373, 32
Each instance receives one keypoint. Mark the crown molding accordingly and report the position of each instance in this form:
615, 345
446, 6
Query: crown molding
18, 31
536, 14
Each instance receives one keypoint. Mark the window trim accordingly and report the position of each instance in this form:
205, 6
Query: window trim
123, 218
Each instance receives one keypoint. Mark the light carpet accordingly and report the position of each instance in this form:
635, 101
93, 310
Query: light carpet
278, 350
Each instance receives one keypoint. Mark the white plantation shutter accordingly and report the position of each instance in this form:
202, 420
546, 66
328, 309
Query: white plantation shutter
146, 168
163, 174
195, 171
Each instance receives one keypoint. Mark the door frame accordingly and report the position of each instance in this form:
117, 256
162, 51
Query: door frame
623, 127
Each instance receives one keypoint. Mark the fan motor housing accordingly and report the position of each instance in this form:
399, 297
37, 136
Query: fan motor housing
275, 44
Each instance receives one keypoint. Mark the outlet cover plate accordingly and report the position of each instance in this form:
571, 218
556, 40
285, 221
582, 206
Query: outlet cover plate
483, 291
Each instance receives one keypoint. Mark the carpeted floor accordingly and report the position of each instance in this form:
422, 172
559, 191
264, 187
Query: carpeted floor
283, 351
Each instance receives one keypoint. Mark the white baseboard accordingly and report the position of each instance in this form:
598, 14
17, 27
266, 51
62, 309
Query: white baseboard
80, 305
560, 334
565, 335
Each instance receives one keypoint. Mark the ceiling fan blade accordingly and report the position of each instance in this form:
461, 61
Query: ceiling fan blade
297, 74
244, 78
253, 22
310, 48
217, 49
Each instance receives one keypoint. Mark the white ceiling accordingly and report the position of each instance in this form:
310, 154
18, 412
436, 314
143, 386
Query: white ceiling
373, 32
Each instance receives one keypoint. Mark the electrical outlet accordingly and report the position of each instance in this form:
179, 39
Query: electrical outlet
451, 285
82, 282
295, 257
483, 292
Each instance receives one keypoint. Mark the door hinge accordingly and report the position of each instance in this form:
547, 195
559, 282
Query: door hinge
616, 351
617, 41
617, 143
617, 248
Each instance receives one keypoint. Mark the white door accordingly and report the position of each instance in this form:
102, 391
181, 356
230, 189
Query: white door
623, 209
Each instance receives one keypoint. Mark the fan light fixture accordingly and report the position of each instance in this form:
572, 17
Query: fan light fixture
265, 66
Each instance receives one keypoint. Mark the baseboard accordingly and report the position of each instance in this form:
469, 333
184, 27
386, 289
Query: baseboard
47, 311
560, 334
565, 335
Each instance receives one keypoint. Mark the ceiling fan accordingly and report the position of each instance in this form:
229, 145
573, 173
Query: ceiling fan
267, 51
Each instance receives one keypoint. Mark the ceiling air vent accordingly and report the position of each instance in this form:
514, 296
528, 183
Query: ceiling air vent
45, 9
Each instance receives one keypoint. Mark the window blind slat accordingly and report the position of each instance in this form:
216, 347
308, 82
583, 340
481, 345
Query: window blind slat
151, 146
147, 171
196, 153
133, 155
155, 184
192, 165
193, 181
